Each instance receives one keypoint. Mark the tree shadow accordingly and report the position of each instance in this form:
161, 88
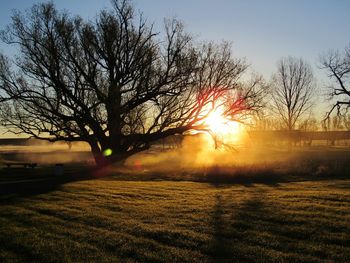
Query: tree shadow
220, 176
24, 182
227, 230
219, 248
256, 230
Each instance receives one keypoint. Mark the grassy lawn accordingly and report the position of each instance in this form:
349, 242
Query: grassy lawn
116, 219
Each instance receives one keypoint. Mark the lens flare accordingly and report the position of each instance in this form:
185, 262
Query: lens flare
107, 152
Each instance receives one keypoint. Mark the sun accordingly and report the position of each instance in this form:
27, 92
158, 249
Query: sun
226, 129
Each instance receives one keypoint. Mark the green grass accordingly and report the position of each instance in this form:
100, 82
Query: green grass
121, 220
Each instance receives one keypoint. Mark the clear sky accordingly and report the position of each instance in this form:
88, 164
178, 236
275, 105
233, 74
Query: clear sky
262, 31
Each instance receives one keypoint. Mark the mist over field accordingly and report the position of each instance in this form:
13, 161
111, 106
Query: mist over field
45, 153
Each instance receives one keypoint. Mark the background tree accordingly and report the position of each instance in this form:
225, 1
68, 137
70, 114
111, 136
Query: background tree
346, 120
293, 90
309, 124
338, 67
113, 82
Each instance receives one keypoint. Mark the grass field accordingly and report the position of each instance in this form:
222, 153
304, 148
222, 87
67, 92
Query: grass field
155, 219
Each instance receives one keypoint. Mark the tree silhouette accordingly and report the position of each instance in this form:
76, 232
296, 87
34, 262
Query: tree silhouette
292, 90
113, 82
338, 67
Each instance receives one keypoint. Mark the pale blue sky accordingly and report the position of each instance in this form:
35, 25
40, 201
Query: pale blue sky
262, 31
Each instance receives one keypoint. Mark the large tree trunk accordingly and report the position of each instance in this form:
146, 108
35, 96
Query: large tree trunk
96, 151
108, 156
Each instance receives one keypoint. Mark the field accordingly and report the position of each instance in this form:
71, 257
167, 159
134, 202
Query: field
244, 214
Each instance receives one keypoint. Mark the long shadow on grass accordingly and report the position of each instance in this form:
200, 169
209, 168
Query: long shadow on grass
220, 251
247, 177
216, 175
227, 237
22, 182
257, 230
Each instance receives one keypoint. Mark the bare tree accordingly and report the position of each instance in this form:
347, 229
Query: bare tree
346, 120
309, 124
293, 90
338, 67
113, 82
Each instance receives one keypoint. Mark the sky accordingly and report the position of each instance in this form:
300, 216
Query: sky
262, 31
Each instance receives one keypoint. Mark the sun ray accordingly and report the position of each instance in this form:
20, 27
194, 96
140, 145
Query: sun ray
224, 129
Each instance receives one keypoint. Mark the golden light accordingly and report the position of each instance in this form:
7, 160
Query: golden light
226, 130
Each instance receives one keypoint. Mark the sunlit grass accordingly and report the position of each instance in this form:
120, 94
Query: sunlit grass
179, 221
